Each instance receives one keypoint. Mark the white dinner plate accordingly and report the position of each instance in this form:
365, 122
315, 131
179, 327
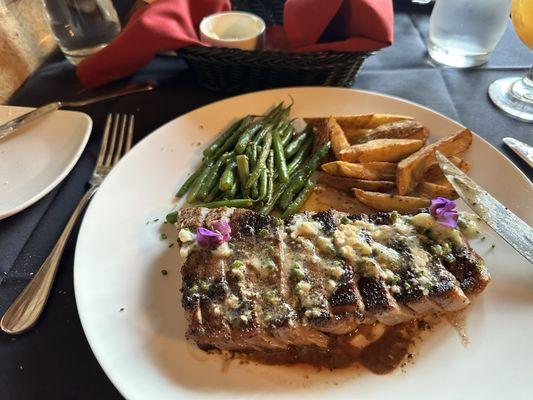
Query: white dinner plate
38, 156
132, 316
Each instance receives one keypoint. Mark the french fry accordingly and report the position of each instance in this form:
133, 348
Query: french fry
346, 184
390, 202
406, 129
356, 135
432, 190
336, 135
381, 150
324, 198
368, 121
411, 170
373, 171
434, 173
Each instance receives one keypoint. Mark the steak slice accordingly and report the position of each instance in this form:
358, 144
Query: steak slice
280, 285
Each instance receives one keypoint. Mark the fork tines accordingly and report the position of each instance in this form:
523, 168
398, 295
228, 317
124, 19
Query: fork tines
112, 147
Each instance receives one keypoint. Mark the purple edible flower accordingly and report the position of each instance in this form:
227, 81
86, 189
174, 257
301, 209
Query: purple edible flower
223, 228
443, 210
219, 233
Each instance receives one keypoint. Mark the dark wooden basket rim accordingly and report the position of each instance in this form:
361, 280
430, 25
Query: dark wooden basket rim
276, 53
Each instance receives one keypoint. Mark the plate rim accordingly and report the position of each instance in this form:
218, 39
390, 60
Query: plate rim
60, 177
122, 389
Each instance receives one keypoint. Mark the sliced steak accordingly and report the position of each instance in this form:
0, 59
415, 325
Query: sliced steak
280, 285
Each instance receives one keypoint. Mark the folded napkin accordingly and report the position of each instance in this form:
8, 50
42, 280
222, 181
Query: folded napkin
309, 25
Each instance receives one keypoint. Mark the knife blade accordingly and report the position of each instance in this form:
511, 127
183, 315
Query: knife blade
524, 151
505, 223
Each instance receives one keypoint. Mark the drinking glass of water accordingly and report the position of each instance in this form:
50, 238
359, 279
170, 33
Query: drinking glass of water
463, 33
82, 27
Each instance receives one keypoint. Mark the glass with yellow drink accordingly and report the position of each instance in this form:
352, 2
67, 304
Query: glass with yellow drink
514, 95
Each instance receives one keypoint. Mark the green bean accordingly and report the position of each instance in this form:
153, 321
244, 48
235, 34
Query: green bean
211, 150
300, 156
262, 133
257, 127
254, 192
261, 162
240, 203
277, 192
232, 191
263, 181
212, 176
190, 180
270, 183
295, 144
293, 188
248, 154
272, 125
273, 112
230, 143
193, 192
315, 160
213, 194
279, 156
246, 136
172, 217
298, 180
300, 199
255, 149
227, 178
243, 167
287, 135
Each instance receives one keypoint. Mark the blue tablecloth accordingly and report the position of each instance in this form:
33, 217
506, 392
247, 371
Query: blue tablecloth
54, 359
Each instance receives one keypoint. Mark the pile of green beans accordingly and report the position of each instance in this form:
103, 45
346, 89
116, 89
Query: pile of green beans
259, 163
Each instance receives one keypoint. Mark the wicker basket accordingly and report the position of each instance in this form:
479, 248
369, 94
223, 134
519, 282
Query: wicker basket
234, 70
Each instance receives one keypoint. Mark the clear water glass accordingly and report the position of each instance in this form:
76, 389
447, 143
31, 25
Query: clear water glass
82, 27
463, 33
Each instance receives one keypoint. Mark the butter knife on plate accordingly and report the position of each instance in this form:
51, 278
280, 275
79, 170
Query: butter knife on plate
505, 223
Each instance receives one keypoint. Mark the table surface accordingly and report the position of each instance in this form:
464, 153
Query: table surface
54, 359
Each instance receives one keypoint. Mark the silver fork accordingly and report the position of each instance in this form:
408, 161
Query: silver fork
28, 306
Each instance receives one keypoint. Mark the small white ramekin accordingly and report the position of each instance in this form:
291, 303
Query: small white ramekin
235, 29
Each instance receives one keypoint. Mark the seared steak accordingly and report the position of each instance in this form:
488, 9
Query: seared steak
279, 284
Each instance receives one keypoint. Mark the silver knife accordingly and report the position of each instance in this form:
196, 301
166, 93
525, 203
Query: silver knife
10, 126
524, 151
506, 224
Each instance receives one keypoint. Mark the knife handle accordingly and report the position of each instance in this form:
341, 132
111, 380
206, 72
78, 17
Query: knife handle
9, 127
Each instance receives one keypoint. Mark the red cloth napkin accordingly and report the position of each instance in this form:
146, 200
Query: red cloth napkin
309, 25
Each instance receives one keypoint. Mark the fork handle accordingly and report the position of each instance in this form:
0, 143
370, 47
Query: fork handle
28, 306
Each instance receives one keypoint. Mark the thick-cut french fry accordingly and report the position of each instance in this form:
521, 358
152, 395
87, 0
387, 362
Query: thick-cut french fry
356, 135
411, 170
346, 184
336, 135
381, 150
324, 198
406, 129
390, 202
432, 190
368, 121
373, 171
434, 173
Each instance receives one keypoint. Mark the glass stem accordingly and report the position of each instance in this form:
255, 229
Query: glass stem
522, 89
529, 76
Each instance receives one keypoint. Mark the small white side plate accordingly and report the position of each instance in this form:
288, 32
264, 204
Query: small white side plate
37, 157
